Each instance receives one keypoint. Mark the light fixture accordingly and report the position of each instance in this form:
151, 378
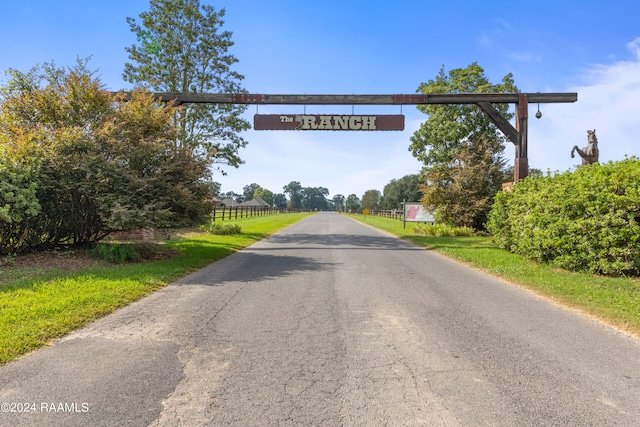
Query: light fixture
538, 114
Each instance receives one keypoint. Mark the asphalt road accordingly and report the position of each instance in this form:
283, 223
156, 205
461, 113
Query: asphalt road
332, 323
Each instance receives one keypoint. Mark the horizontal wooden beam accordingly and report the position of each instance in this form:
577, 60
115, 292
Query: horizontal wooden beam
417, 99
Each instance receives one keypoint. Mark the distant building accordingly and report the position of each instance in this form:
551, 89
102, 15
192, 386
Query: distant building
230, 203
255, 202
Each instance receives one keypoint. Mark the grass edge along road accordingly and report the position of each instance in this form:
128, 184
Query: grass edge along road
40, 306
612, 300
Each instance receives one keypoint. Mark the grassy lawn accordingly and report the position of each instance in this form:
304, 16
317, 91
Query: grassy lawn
40, 304
614, 300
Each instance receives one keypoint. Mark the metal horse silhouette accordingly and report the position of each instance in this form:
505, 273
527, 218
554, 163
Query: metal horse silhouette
589, 153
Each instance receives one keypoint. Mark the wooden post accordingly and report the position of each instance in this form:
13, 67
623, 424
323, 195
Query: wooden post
521, 167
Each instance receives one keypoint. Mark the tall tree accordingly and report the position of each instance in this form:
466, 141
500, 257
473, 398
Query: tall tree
279, 200
248, 190
264, 194
371, 200
338, 202
401, 190
315, 198
352, 204
182, 48
454, 130
294, 190
464, 180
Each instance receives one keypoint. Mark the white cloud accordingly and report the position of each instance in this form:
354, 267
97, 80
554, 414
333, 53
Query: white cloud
607, 101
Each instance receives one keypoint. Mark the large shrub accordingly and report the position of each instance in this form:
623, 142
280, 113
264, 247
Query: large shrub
587, 220
82, 163
19, 205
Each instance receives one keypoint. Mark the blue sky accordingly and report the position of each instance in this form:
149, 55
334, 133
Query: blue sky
375, 47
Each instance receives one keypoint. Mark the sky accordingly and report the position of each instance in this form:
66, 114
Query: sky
591, 47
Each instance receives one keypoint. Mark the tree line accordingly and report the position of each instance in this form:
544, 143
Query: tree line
295, 196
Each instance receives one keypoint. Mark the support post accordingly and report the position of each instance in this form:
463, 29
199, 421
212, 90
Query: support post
521, 167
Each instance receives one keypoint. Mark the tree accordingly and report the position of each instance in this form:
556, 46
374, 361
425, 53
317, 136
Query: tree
264, 194
294, 190
182, 48
97, 163
280, 200
371, 200
248, 190
459, 190
455, 131
338, 202
352, 204
401, 190
315, 198
508, 173
232, 195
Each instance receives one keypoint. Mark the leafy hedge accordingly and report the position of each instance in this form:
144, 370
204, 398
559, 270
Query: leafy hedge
77, 163
587, 220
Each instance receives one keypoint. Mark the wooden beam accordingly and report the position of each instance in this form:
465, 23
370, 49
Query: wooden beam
417, 99
521, 167
503, 124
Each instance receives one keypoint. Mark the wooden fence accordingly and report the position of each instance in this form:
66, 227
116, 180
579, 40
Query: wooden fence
395, 214
225, 213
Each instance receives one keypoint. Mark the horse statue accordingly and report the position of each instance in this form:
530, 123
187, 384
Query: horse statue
589, 153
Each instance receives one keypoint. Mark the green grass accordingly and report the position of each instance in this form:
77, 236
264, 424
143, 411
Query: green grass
614, 300
42, 305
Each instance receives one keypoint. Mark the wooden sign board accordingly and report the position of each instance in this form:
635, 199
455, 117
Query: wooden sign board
415, 212
327, 122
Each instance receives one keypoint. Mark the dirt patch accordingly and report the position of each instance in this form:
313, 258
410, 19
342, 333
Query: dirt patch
78, 259
67, 260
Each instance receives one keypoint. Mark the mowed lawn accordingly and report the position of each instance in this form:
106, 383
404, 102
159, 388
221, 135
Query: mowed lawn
39, 304
613, 300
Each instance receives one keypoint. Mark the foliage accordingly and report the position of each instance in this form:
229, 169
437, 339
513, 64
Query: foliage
439, 230
338, 202
508, 173
315, 198
587, 220
280, 200
352, 204
19, 205
221, 227
462, 191
116, 253
456, 139
232, 195
371, 200
81, 163
182, 48
248, 191
405, 189
294, 190
264, 194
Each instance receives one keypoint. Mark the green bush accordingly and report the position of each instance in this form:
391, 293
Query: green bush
440, 230
77, 163
220, 227
117, 253
587, 220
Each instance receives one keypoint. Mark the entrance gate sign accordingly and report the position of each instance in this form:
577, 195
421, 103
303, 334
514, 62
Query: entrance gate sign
415, 212
328, 122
